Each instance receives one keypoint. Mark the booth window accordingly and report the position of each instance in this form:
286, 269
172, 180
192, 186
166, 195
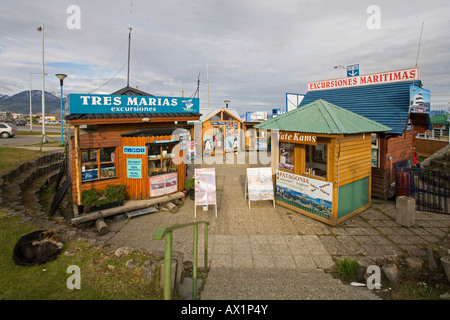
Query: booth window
316, 160
160, 158
98, 163
286, 160
375, 153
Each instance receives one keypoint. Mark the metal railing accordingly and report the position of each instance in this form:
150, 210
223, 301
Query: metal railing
429, 187
166, 234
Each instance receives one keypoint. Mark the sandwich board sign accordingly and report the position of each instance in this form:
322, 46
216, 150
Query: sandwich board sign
205, 188
259, 185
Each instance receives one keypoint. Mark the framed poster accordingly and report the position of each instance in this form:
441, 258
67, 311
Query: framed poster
259, 185
205, 188
315, 196
163, 184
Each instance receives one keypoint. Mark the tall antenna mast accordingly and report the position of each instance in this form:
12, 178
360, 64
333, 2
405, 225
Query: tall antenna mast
417, 62
129, 44
207, 80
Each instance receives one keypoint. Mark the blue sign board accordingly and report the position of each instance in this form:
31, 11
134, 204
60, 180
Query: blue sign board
134, 168
420, 100
101, 103
134, 150
353, 70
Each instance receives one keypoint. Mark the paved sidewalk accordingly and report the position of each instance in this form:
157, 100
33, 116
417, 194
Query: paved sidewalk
275, 253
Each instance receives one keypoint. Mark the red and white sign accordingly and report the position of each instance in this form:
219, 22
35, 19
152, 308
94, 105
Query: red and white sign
368, 79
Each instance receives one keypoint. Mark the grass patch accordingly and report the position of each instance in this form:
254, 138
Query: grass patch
13, 157
104, 276
36, 133
347, 269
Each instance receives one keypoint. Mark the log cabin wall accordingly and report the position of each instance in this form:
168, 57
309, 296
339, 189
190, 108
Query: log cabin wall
352, 159
110, 135
394, 149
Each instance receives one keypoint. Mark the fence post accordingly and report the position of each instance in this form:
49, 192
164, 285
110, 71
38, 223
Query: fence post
194, 267
167, 295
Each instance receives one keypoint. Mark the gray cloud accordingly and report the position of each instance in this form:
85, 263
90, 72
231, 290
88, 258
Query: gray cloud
256, 51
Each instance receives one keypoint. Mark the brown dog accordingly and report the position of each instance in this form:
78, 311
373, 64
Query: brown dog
37, 247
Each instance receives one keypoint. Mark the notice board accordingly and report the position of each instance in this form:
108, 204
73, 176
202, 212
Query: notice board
259, 185
205, 188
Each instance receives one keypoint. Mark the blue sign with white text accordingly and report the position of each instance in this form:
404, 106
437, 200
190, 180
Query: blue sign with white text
134, 168
102, 103
134, 150
353, 70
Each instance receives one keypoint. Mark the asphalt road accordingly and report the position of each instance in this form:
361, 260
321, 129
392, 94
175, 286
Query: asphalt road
32, 139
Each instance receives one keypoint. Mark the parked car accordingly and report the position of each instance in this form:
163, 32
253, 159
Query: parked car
21, 122
7, 130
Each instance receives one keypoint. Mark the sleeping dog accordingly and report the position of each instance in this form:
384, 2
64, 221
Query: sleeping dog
37, 247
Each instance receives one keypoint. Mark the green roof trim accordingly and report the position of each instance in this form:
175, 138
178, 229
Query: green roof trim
322, 117
440, 119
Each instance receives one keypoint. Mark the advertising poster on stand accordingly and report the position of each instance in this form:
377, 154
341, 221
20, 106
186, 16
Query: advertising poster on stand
259, 184
205, 186
313, 195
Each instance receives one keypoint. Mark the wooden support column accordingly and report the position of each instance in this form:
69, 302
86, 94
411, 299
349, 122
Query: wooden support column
78, 163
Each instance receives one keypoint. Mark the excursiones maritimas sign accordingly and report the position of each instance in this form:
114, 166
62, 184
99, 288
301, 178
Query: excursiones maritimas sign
98, 103
368, 79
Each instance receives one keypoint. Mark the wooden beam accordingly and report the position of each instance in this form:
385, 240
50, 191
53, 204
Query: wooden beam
129, 206
77, 163
129, 120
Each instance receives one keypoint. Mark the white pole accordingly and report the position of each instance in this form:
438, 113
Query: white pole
41, 28
31, 109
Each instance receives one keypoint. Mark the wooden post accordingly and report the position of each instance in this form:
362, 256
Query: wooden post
172, 207
78, 164
101, 226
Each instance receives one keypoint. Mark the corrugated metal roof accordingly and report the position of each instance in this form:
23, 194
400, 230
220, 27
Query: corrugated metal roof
322, 117
387, 104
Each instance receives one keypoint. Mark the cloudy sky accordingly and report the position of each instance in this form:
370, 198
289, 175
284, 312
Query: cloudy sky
251, 52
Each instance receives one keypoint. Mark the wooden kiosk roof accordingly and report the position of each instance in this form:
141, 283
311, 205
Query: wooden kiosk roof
322, 117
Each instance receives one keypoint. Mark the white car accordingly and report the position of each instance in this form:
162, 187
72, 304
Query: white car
49, 122
7, 130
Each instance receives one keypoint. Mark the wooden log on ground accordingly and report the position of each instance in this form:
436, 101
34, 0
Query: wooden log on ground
128, 206
172, 207
101, 226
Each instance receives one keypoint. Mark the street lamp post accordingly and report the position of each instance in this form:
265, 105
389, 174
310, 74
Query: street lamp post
41, 29
61, 78
340, 67
31, 103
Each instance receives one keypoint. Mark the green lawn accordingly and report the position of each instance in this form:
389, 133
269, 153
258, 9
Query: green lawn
103, 275
13, 157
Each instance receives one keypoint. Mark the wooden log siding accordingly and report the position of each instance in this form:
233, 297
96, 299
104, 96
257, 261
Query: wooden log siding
110, 136
352, 159
140, 188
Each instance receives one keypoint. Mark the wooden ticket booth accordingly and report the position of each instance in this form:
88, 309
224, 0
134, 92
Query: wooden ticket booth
321, 160
220, 129
135, 141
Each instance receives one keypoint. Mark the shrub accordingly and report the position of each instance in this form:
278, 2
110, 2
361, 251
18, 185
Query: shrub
189, 184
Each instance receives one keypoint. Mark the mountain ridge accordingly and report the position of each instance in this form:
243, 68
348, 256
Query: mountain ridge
20, 102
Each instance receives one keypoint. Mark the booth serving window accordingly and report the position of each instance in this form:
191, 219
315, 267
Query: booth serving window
286, 160
316, 160
161, 158
98, 163
375, 152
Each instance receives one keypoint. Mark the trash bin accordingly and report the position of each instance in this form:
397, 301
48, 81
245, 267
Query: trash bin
402, 183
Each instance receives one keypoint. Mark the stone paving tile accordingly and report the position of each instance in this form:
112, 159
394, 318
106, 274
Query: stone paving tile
270, 253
